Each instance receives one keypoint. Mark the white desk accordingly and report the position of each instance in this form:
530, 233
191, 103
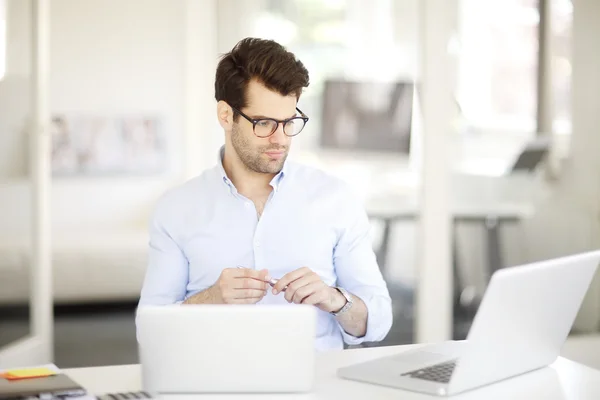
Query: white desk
563, 380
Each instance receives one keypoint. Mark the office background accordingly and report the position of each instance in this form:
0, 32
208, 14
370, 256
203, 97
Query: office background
130, 98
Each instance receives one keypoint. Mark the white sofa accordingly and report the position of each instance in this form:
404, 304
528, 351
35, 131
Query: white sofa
99, 238
86, 268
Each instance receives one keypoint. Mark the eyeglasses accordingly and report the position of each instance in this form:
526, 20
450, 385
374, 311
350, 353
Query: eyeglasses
265, 127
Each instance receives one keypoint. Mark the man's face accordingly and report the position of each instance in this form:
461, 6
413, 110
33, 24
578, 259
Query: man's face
264, 155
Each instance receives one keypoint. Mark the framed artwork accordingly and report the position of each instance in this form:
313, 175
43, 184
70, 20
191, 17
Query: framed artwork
105, 145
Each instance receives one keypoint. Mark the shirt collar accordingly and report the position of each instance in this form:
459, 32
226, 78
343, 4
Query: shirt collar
275, 182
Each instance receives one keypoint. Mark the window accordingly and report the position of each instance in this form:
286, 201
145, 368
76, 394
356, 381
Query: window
498, 64
561, 21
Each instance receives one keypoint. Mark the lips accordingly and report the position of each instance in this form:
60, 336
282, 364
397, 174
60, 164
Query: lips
275, 154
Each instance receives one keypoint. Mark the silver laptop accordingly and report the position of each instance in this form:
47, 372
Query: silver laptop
194, 349
521, 325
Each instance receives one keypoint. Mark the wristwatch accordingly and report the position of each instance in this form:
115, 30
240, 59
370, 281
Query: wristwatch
346, 306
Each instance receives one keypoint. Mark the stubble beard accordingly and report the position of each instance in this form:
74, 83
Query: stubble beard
252, 158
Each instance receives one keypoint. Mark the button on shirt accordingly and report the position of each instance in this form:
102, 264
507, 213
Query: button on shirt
310, 220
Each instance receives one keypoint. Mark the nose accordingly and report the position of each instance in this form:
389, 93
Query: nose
278, 137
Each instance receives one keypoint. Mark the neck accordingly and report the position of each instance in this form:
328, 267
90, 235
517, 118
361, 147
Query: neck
245, 180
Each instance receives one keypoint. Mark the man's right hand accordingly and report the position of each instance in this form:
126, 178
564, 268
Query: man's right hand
240, 286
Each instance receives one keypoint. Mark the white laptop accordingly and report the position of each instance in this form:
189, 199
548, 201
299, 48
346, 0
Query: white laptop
194, 349
524, 318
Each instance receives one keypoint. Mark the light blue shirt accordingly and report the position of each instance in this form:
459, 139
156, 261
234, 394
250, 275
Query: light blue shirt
311, 219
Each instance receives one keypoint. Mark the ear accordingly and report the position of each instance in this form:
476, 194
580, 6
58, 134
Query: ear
224, 115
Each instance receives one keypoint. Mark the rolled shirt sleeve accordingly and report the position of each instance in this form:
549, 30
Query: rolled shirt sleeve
358, 272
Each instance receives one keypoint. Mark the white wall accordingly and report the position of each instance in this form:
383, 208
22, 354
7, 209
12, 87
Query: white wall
107, 57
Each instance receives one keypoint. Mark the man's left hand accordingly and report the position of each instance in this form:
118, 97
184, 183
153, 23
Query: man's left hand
304, 286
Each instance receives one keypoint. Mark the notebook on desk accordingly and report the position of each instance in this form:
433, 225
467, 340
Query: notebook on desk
49, 385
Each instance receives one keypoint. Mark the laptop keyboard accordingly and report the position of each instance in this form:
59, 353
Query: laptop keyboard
125, 396
437, 373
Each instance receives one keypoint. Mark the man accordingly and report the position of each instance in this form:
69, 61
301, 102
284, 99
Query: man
220, 237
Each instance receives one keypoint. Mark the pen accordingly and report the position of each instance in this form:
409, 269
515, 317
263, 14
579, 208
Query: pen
271, 281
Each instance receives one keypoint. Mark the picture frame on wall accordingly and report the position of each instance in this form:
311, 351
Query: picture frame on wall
108, 145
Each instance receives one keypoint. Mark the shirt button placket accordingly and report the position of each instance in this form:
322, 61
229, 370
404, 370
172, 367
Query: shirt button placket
258, 253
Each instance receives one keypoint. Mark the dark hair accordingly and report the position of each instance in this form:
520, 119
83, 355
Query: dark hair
264, 60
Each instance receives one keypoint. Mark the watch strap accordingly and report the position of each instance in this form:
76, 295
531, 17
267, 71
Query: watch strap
346, 306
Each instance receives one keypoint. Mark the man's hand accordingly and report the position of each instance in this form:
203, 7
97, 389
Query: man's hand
240, 286
306, 287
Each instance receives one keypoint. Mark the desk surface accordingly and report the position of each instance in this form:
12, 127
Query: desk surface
565, 379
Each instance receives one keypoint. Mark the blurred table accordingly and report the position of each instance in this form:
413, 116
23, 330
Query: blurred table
491, 215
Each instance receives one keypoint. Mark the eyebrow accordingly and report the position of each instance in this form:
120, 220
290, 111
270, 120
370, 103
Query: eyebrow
265, 117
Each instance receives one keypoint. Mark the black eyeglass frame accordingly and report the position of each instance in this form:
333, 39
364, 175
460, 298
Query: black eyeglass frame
255, 121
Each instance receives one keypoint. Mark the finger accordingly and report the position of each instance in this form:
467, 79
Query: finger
299, 283
241, 272
289, 278
306, 291
249, 283
248, 294
315, 298
304, 280
260, 275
